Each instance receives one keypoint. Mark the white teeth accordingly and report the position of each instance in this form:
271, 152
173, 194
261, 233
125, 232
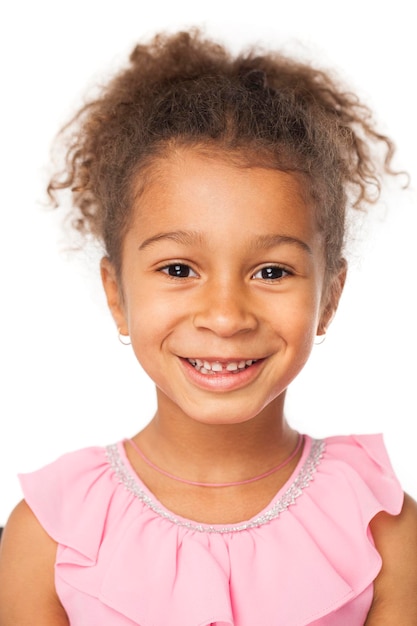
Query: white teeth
205, 367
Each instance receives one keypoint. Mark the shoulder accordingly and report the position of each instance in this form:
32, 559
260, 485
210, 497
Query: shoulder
58, 488
361, 469
77, 497
395, 537
74, 467
27, 558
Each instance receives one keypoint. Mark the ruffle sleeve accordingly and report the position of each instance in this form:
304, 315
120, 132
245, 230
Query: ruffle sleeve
307, 559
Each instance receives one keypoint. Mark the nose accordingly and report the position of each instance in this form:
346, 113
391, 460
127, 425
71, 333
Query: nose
225, 310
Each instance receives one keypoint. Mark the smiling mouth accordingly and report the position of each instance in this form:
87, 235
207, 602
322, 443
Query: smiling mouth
212, 368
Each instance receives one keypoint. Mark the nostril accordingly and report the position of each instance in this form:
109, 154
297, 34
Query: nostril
225, 323
225, 308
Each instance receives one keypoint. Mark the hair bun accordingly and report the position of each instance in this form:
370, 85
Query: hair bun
255, 79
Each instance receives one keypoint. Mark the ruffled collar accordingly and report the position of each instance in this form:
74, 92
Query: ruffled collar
299, 480
302, 561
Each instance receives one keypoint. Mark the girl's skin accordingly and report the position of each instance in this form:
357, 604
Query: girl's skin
222, 263
224, 230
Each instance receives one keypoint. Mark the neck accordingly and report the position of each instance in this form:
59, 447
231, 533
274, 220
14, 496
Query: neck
217, 452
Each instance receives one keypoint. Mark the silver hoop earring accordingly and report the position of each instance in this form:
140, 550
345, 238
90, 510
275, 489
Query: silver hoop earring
124, 339
322, 339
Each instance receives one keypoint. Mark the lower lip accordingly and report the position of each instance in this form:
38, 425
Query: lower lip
222, 381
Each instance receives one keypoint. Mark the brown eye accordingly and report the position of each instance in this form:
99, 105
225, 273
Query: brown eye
178, 270
271, 272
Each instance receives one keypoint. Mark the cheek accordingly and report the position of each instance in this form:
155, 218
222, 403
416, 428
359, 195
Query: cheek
296, 323
297, 315
151, 320
143, 307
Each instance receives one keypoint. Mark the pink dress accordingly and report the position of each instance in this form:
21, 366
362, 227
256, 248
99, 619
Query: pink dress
308, 558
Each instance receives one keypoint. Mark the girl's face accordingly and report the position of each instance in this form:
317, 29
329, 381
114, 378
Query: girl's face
222, 286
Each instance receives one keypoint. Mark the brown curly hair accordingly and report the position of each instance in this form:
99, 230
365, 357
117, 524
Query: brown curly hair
259, 107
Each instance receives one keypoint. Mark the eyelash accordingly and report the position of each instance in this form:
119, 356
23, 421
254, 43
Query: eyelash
180, 268
272, 269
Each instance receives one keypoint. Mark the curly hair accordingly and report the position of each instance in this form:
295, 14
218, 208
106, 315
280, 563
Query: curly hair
261, 107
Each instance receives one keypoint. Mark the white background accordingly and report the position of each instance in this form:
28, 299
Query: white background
66, 381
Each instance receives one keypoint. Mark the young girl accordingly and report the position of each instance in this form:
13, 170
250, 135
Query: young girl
219, 187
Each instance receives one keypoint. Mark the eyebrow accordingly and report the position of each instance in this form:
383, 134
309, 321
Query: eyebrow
261, 242
179, 236
264, 242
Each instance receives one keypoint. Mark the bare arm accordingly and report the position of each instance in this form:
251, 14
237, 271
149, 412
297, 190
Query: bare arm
27, 589
395, 594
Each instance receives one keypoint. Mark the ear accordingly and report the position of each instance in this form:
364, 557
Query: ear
114, 294
331, 298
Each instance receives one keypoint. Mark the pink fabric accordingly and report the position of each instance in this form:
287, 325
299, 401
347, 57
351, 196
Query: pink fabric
307, 559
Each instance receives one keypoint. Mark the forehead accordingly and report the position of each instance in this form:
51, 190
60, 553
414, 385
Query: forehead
190, 186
